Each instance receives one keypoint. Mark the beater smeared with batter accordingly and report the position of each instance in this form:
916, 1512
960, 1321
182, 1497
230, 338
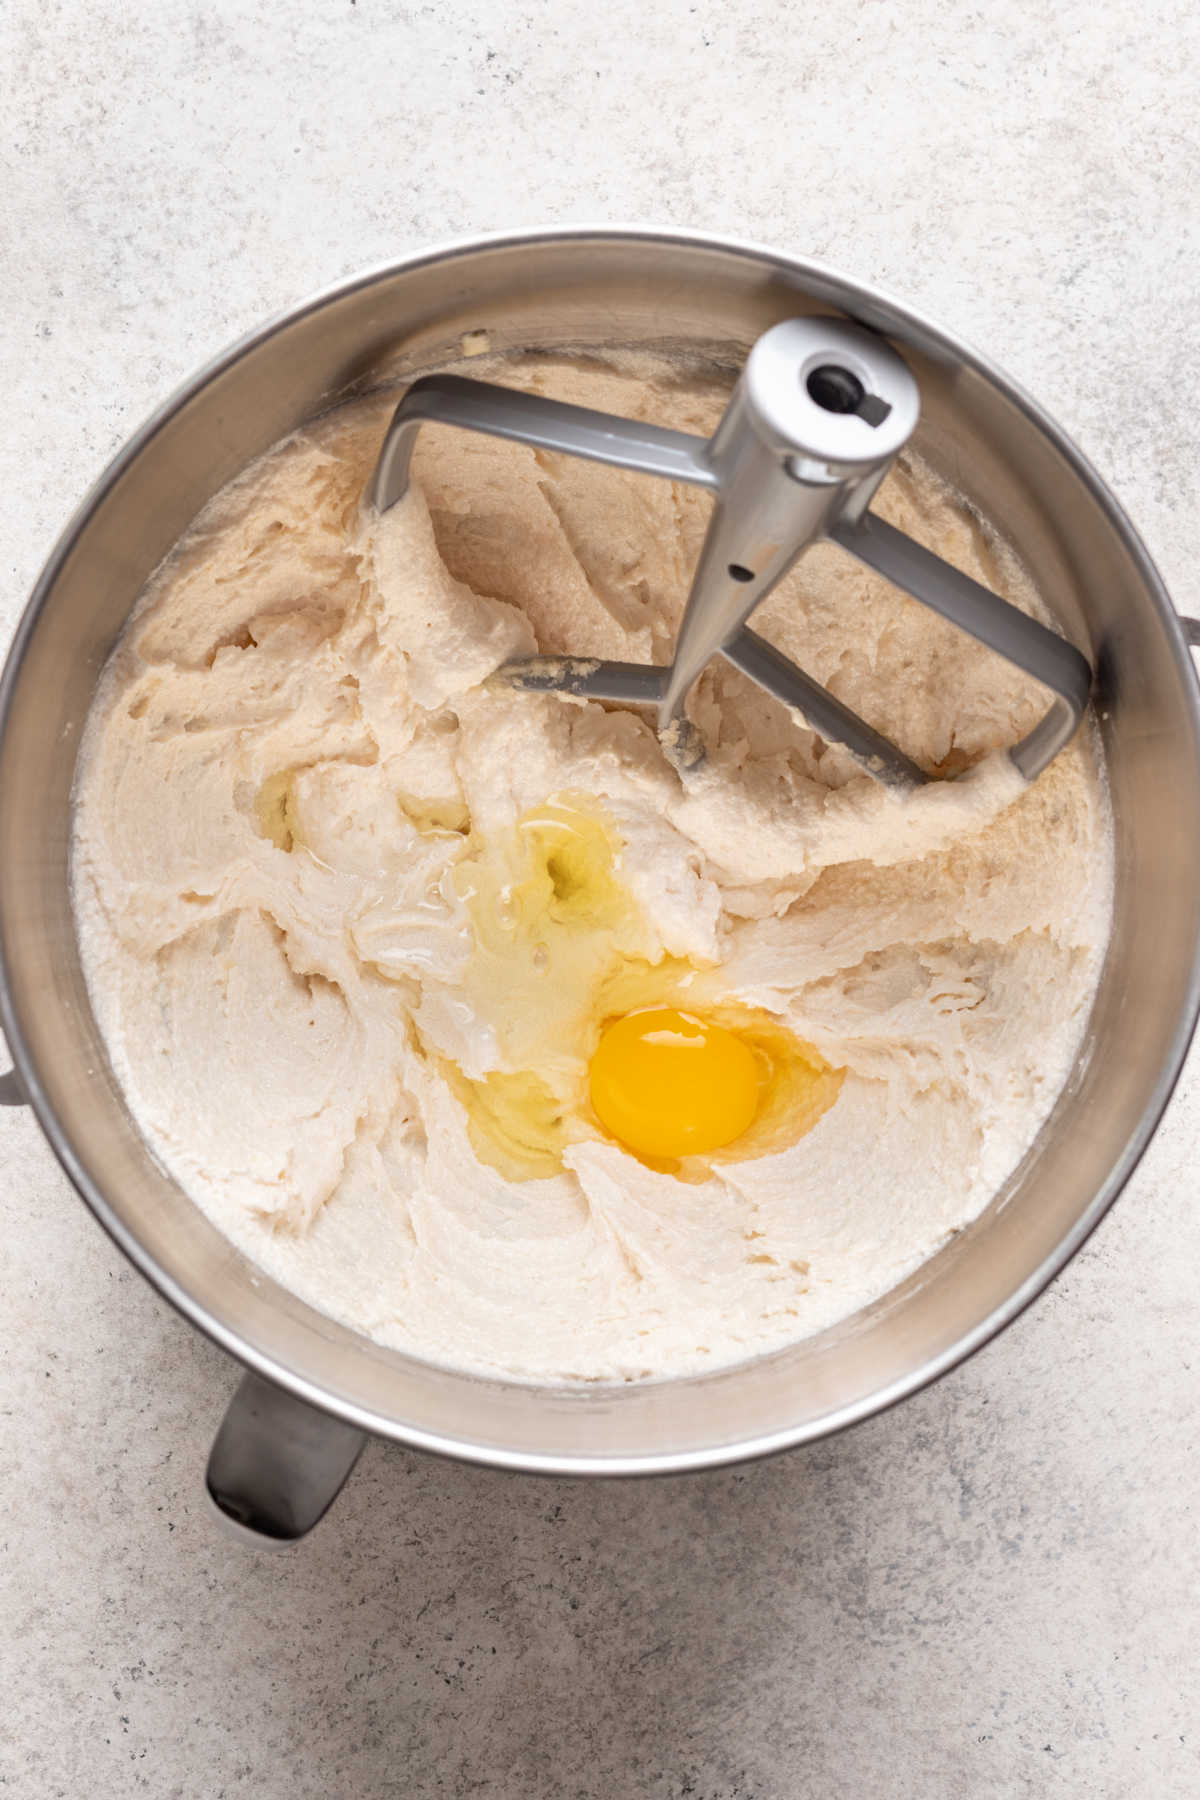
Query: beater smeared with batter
479, 1025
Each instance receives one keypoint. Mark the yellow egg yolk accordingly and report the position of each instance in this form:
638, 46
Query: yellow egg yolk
667, 1084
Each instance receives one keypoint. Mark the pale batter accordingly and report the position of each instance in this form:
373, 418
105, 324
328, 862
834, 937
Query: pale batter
343, 1016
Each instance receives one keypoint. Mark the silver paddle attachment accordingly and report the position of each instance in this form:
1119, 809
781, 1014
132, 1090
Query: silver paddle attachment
819, 413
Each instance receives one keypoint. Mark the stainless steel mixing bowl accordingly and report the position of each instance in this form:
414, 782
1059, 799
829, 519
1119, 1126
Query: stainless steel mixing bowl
278, 1461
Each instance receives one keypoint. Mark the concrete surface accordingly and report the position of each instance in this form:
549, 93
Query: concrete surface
992, 1591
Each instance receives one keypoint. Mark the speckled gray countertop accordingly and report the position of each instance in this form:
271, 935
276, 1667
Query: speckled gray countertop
989, 1592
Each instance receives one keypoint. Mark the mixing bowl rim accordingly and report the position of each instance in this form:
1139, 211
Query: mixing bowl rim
874, 298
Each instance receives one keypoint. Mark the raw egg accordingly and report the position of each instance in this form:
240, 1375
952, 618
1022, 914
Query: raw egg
668, 1084
578, 1024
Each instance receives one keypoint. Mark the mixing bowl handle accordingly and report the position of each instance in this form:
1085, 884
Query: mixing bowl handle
11, 1091
1191, 631
277, 1464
